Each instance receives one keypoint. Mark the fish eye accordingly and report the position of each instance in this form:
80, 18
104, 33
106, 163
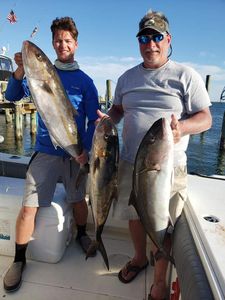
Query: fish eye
39, 57
152, 139
106, 137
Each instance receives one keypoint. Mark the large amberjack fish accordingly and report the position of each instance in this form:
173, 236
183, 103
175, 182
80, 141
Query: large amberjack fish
51, 100
152, 180
103, 178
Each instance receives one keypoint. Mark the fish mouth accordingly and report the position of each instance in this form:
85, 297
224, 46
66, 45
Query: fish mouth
25, 43
25, 47
105, 126
24, 50
30, 52
163, 123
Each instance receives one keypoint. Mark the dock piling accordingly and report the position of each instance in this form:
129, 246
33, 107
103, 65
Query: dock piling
108, 93
18, 111
207, 82
8, 116
33, 124
222, 139
18, 122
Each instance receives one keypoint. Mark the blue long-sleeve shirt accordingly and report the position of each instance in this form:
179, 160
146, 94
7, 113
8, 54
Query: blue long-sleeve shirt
82, 94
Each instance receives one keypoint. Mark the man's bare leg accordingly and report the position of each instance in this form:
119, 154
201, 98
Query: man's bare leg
159, 286
25, 224
138, 236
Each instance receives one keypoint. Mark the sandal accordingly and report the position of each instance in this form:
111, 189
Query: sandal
131, 268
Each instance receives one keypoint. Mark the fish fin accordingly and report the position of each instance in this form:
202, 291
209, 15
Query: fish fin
101, 246
156, 167
96, 164
172, 177
84, 169
46, 87
92, 248
74, 111
152, 259
176, 205
132, 198
55, 144
152, 168
143, 170
102, 250
115, 193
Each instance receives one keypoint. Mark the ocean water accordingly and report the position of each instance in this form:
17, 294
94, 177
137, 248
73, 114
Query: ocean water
204, 155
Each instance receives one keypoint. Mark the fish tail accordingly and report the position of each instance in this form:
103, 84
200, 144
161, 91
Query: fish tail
83, 171
92, 248
101, 246
132, 198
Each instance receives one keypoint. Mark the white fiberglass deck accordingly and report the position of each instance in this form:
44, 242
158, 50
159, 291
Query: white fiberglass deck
73, 277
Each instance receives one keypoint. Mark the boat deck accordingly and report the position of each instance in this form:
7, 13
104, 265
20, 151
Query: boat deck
76, 278
73, 277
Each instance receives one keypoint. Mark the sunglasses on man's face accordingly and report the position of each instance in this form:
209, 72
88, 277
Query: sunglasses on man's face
145, 39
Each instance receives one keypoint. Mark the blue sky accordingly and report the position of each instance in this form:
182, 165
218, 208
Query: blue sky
107, 34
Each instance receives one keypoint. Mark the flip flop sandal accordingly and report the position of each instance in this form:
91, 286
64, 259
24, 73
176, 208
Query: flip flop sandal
131, 268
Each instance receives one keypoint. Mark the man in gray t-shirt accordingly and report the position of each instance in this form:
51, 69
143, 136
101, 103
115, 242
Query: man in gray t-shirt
156, 88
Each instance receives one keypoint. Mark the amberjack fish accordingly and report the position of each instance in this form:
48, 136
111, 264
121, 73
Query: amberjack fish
51, 100
103, 178
152, 180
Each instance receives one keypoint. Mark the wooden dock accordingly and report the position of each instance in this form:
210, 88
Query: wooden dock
16, 111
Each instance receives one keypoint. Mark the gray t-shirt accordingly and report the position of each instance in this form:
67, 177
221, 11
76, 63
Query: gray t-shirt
149, 94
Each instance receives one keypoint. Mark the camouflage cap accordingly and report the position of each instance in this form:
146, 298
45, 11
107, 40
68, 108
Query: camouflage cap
155, 21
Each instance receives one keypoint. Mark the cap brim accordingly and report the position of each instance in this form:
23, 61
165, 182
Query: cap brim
147, 30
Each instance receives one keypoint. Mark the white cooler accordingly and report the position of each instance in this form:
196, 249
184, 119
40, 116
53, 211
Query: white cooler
53, 229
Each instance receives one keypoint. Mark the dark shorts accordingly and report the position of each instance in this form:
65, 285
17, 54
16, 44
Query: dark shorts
42, 176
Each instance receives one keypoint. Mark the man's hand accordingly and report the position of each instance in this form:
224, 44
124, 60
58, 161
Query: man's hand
82, 159
176, 129
101, 115
19, 73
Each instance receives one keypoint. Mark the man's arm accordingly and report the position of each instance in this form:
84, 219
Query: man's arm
197, 123
115, 113
15, 88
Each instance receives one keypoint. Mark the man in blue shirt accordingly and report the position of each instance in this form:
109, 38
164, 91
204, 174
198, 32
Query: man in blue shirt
48, 163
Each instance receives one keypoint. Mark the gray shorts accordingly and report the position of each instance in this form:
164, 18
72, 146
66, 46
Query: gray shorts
42, 176
123, 211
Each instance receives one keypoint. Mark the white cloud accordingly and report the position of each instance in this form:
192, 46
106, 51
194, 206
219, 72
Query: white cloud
102, 68
111, 67
217, 78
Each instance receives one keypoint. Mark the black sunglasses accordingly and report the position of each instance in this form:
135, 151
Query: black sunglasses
145, 39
